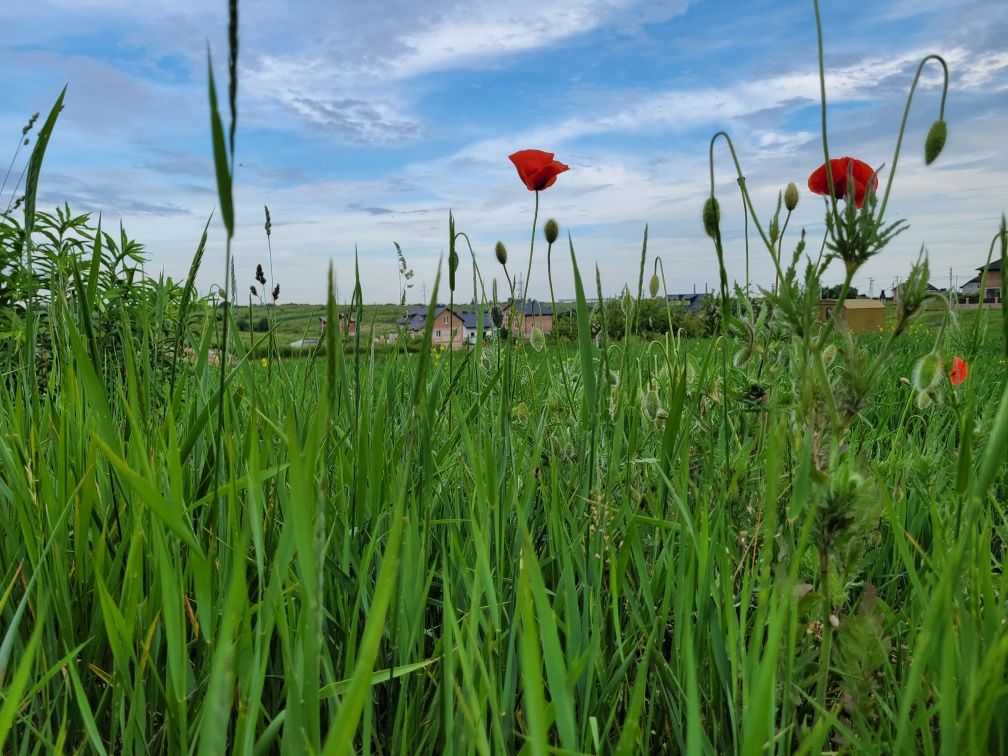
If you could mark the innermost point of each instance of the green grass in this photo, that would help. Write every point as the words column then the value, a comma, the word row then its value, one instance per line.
column 779, row 539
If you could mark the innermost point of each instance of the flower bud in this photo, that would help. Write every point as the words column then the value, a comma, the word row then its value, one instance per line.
column 935, row 141
column 791, row 197
column 711, row 217
column 551, row 231
column 927, row 372
column 501, row 252
column 653, row 286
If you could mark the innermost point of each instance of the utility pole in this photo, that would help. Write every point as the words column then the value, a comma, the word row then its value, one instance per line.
column 871, row 286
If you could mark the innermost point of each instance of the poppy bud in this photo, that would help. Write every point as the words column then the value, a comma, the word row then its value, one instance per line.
column 497, row 316
column 653, row 285
column 551, row 231
column 626, row 300
column 711, row 217
column 927, row 372
column 935, row 141
column 791, row 197
column 501, row 252
column 453, row 263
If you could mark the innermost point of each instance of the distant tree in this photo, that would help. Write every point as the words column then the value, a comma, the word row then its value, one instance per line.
column 833, row 292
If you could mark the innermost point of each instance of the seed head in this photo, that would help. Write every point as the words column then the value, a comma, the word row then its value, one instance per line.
column 711, row 217
column 501, row 252
column 791, row 197
column 551, row 231
column 252, row 290
column 269, row 224
column 935, row 141
column 537, row 339
column 260, row 276
column 276, row 292
column 497, row 316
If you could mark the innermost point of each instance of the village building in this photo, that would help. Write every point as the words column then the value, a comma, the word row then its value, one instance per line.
column 535, row 315
column 993, row 287
column 860, row 315
column 691, row 302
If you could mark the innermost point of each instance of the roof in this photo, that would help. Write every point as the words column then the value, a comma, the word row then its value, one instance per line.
column 693, row 300
column 535, row 307
column 469, row 319
column 995, row 265
column 863, row 304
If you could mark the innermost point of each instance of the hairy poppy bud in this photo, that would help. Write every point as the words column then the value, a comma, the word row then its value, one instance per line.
column 935, row 141
column 711, row 217
column 791, row 197
column 501, row 252
column 653, row 285
column 626, row 300
column 927, row 372
column 551, row 231
column 497, row 316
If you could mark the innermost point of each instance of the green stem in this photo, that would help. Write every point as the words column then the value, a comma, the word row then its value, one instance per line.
column 903, row 122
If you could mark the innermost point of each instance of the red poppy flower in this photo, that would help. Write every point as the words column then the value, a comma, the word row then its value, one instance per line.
column 862, row 173
column 537, row 169
column 959, row 372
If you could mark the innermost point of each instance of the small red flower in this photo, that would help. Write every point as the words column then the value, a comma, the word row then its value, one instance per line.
column 862, row 172
column 959, row 372
column 537, row 169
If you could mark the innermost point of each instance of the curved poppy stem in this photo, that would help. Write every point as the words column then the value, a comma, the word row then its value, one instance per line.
column 745, row 194
column 906, row 115
column 476, row 270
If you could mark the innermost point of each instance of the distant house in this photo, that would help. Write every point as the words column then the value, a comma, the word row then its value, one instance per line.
column 304, row 343
column 536, row 315
column 347, row 323
column 692, row 302
column 897, row 293
column 451, row 328
column 993, row 283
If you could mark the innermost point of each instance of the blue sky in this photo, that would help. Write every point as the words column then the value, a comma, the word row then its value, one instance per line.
column 362, row 123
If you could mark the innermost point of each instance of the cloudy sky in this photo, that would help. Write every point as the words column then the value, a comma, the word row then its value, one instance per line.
column 362, row 123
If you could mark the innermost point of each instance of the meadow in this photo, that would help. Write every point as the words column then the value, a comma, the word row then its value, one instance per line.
column 781, row 537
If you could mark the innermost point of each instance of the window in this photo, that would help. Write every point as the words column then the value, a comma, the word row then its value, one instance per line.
column 438, row 333
column 445, row 320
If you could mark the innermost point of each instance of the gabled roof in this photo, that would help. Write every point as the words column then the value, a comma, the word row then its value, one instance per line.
column 995, row 265
column 469, row 319
column 693, row 300
column 534, row 307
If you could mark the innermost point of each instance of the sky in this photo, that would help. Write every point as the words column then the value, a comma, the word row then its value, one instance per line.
column 361, row 124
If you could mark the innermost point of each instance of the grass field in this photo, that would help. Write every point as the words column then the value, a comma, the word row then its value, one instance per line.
column 782, row 538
